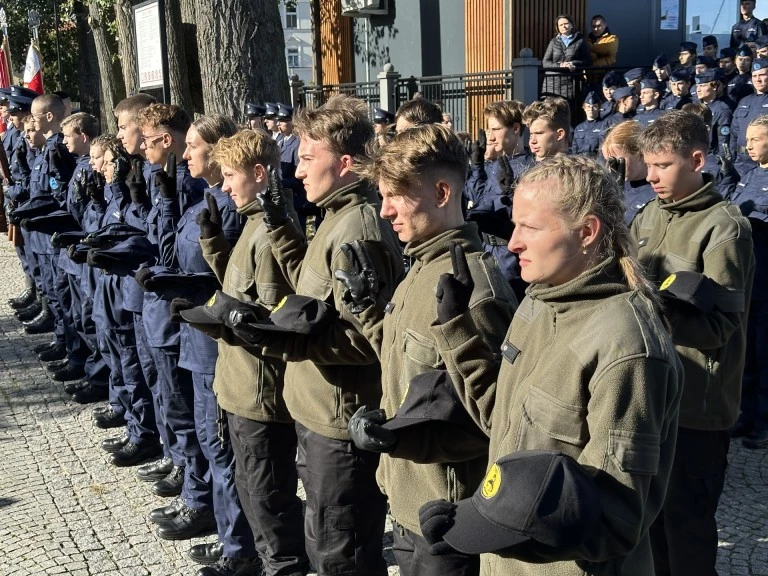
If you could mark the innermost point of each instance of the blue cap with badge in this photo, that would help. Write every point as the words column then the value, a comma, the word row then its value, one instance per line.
column 381, row 116
column 271, row 112
column 592, row 98
column 660, row 61
column 709, row 41
column 623, row 92
column 613, row 79
column 706, row 76
column 634, row 74
column 759, row 64
column 650, row 84
column 680, row 75
column 284, row 113
column 688, row 47
column 254, row 110
column 744, row 51
column 728, row 53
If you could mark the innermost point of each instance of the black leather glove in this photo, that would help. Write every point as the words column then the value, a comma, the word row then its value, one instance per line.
column 454, row 290
column 166, row 179
column 178, row 305
column 241, row 322
column 27, row 224
column 145, row 279
column 122, row 168
column 725, row 160
column 273, row 201
column 361, row 285
column 12, row 218
column 209, row 219
column 618, row 167
column 436, row 518
column 95, row 188
column 96, row 259
column 65, row 240
column 366, row 431
column 506, row 180
column 21, row 159
column 81, row 183
column 77, row 256
column 60, row 161
column 477, row 151
column 137, row 185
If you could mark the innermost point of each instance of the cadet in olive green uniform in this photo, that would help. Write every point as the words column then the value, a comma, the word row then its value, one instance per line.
column 248, row 386
column 587, row 369
column 420, row 175
column 330, row 376
column 689, row 227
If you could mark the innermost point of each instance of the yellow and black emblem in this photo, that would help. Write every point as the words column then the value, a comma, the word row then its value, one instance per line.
column 492, row 482
column 668, row 282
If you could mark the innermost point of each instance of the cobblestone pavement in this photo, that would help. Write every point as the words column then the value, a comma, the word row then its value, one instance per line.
column 65, row 510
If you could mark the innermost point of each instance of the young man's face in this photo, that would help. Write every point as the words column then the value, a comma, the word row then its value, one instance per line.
column 747, row 7
column 318, row 169
column 415, row 215
column 243, row 184
column 679, row 87
column 4, row 112
column 661, row 73
column 502, row 138
column 727, row 65
column 544, row 140
column 271, row 124
column 706, row 91
column 757, row 144
column 76, row 143
column 608, row 92
column 744, row 64
column 598, row 27
column 672, row 176
column 591, row 110
column 129, row 133
column 42, row 117
column 35, row 138
column 760, row 80
column 286, row 127
column 17, row 119
column 97, row 158
column 649, row 97
column 686, row 58
column 155, row 143
column 255, row 123
column 710, row 50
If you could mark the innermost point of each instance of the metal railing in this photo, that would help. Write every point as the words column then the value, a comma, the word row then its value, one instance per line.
column 314, row 96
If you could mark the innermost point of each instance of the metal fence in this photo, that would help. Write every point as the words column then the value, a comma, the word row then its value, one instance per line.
column 314, row 96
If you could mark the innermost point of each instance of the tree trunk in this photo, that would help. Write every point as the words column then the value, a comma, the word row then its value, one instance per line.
column 105, row 67
column 126, row 35
column 88, row 64
column 189, row 34
column 177, row 62
column 317, row 45
column 242, row 50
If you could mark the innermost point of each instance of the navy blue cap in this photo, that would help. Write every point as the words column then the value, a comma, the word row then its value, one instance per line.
column 613, row 78
column 124, row 258
column 19, row 104
column 709, row 40
column 728, row 52
column 706, row 76
column 680, row 75
column 252, row 109
column 744, row 50
column 634, row 74
column 271, row 112
column 708, row 61
column 660, row 61
column 719, row 74
column 14, row 91
column 284, row 112
column 592, row 98
column 761, row 42
column 688, row 47
column 759, row 64
column 623, row 92
column 652, row 84
column 381, row 116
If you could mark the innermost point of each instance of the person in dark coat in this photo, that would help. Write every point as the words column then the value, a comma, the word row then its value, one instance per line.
column 567, row 51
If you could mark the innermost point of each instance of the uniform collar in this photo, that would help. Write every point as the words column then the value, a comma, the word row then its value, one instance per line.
column 251, row 209
column 703, row 198
column 466, row 235
column 353, row 194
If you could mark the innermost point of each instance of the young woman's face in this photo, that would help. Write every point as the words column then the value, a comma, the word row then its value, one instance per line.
column 564, row 26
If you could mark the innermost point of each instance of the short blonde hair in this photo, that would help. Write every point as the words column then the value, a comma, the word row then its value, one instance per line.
column 245, row 149
column 413, row 153
column 625, row 135
column 342, row 122
column 552, row 109
column 82, row 123
column 168, row 116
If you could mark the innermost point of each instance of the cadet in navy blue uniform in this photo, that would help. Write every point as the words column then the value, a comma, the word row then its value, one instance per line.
column 586, row 135
column 650, row 94
column 741, row 84
column 626, row 106
column 490, row 186
column 727, row 63
column 709, row 46
column 611, row 81
column 255, row 115
column 633, row 78
column 270, row 122
column 621, row 143
column 679, row 91
column 687, row 57
column 752, row 198
column 707, row 86
column 662, row 69
column 748, row 28
column 749, row 108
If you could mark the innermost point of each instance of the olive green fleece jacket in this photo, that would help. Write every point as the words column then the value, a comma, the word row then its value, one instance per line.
column 706, row 234
column 445, row 463
column 589, row 370
column 331, row 374
column 246, row 383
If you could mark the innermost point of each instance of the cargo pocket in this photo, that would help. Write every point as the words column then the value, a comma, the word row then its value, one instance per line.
column 240, row 282
column 338, row 554
column 548, row 423
column 635, row 453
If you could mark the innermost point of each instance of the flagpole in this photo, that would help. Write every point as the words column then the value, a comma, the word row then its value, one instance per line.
column 58, row 48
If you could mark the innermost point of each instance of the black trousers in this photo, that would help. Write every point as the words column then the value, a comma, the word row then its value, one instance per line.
column 344, row 519
column 266, row 482
column 412, row 554
column 684, row 536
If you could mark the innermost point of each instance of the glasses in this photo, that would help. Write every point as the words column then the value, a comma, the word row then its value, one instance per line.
column 151, row 139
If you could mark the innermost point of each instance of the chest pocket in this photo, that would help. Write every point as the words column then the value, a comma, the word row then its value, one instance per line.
column 419, row 355
column 240, row 281
column 315, row 284
column 547, row 423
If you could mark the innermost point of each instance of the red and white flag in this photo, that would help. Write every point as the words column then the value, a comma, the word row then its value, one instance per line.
column 33, row 71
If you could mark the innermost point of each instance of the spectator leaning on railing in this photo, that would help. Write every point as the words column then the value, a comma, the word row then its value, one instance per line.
column 567, row 51
column 603, row 44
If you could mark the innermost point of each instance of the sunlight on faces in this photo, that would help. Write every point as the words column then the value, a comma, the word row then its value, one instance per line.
column 244, row 184
column 75, row 143
column 501, row 138
column 41, row 117
column 649, row 97
column 197, row 154
column 155, row 143
column 706, row 91
column 320, row 170
column 592, row 111
column 549, row 251
column 544, row 141
column 744, row 64
column 757, row 144
column 672, row 176
column 129, row 133
column 419, row 213
column 564, row 26
column 34, row 136
column 679, row 87
column 97, row 158
column 108, row 165
column 760, row 80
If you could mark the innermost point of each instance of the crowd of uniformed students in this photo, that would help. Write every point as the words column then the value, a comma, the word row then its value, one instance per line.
column 460, row 301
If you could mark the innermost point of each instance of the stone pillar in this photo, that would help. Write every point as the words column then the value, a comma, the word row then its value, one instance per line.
column 526, row 79
column 387, row 87
column 297, row 91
